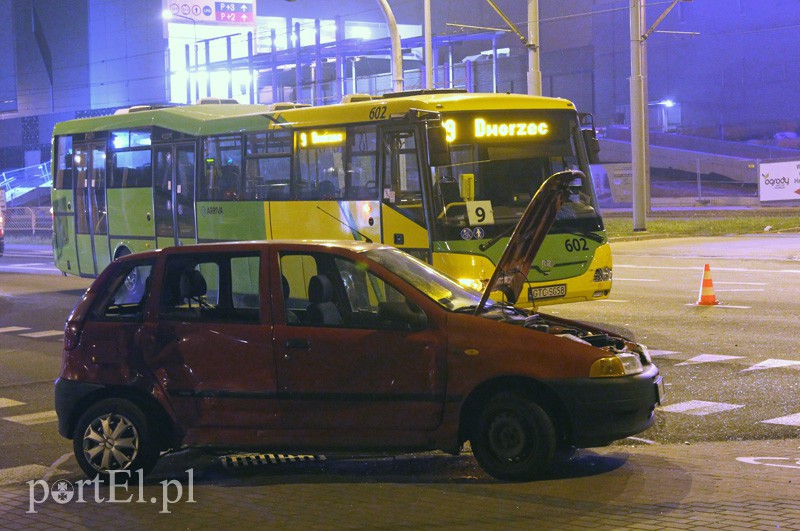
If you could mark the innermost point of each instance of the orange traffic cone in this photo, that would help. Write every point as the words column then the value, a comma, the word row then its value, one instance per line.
column 707, row 297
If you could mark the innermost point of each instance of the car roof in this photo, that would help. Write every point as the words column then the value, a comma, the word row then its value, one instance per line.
column 258, row 245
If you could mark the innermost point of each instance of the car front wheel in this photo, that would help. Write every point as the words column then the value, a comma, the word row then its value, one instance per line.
column 514, row 438
column 114, row 435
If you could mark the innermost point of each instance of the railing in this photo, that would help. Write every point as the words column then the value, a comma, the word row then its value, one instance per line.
column 19, row 182
column 28, row 221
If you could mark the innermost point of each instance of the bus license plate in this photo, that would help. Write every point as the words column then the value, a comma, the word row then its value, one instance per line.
column 547, row 292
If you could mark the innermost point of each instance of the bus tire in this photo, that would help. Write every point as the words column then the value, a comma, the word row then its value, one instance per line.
column 513, row 439
column 114, row 434
column 134, row 283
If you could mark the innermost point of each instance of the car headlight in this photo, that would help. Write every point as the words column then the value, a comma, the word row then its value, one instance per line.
column 620, row 364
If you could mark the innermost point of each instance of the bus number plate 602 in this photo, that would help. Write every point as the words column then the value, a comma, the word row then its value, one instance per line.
column 547, row 292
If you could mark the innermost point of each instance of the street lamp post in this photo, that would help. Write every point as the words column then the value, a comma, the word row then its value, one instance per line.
column 639, row 133
column 397, row 52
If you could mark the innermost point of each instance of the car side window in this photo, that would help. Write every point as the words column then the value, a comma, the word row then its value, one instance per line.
column 219, row 288
column 127, row 294
column 324, row 290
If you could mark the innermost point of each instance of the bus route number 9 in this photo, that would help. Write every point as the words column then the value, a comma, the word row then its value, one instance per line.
column 480, row 213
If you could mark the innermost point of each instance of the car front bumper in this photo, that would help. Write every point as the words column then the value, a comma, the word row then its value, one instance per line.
column 602, row 410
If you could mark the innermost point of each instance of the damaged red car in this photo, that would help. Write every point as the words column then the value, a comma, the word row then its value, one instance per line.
column 339, row 346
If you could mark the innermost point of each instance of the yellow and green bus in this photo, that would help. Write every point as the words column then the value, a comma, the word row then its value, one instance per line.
column 444, row 175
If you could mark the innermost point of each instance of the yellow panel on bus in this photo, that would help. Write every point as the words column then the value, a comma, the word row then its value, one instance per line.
column 324, row 220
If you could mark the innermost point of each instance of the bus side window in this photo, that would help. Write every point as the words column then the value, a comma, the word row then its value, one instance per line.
column 362, row 165
column 222, row 178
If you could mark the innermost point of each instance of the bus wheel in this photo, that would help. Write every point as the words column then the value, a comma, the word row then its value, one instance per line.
column 514, row 438
column 134, row 283
column 114, row 435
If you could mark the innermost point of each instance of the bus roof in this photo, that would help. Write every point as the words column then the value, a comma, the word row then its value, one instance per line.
column 208, row 119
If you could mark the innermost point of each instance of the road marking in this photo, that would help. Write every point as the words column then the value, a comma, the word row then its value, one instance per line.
column 738, row 290
column 639, row 439
column 20, row 266
column 742, row 283
column 654, row 352
column 771, row 364
column 53, row 468
column 720, row 305
column 700, row 407
column 22, row 474
column 708, row 358
column 757, row 461
column 788, row 420
column 46, row 333
column 732, row 269
column 611, row 300
column 13, row 329
column 7, row 402
column 34, row 418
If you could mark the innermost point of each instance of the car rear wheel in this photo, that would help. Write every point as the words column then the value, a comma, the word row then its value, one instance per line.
column 514, row 438
column 114, row 435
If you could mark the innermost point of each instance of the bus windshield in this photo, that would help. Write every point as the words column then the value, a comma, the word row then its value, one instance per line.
column 500, row 161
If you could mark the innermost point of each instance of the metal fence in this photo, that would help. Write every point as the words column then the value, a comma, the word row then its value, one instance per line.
column 29, row 221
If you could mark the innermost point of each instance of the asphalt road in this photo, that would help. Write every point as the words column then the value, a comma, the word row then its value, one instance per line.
column 731, row 369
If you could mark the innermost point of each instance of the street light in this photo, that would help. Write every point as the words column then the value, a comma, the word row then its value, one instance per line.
column 640, row 164
column 169, row 15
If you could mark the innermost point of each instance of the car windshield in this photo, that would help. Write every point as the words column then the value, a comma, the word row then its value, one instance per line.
column 447, row 292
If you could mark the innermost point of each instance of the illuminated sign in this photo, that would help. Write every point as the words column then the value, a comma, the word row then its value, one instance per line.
column 320, row 138
column 210, row 12
column 505, row 126
column 484, row 129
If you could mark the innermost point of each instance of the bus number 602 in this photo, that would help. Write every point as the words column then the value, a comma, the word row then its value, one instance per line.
column 576, row 244
column 377, row 113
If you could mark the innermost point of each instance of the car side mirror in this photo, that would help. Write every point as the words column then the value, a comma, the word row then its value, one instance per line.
column 401, row 315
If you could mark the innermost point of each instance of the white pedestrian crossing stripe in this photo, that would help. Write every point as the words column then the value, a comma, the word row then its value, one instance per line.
column 708, row 358
column 771, row 364
column 788, row 420
column 655, row 352
column 25, row 473
column 34, row 418
column 46, row 333
column 13, row 329
column 7, row 402
column 699, row 407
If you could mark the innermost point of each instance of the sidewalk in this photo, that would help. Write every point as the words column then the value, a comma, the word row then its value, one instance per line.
column 721, row 485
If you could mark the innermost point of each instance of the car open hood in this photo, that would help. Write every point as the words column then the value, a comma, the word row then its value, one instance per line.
column 511, row 272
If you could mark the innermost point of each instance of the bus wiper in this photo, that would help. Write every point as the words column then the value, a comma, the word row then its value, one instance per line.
column 497, row 238
column 591, row 235
column 366, row 238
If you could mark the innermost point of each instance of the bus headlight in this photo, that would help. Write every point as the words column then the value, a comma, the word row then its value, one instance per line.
column 620, row 364
column 602, row 274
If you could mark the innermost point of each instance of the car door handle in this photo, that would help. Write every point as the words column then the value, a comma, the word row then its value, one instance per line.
column 304, row 344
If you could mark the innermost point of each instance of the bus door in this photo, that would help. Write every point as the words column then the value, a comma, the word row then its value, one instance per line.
column 173, row 194
column 91, row 220
column 404, row 211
